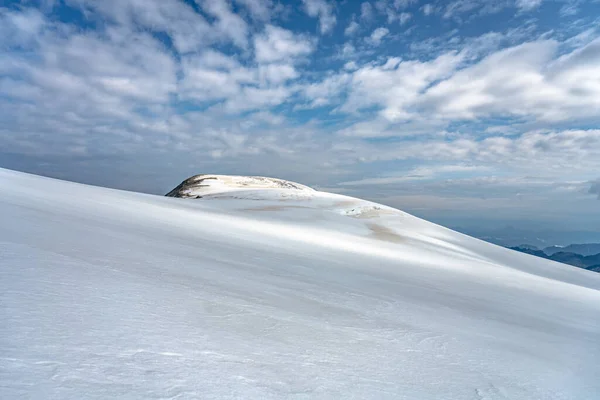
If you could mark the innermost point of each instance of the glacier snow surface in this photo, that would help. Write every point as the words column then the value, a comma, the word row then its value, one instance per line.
column 276, row 294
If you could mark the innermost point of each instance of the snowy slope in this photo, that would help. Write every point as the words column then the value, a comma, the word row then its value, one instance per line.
column 267, row 295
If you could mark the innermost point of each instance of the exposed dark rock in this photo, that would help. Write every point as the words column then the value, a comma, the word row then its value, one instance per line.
column 192, row 187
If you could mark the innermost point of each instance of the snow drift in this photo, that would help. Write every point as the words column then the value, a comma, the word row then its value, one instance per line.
column 275, row 292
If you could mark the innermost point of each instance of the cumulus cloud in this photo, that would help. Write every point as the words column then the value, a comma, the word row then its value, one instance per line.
column 396, row 85
column 276, row 73
column 350, row 66
column 188, row 30
column 526, row 81
column 123, row 85
column 229, row 24
column 404, row 17
column 352, row 28
column 428, row 9
column 21, row 28
column 530, row 82
column 276, row 44
column 116, row 64
column 377, row 35
column 366, row 11
column 213, row 76
column 327, row 91
column 259, row 9
column 324, row 11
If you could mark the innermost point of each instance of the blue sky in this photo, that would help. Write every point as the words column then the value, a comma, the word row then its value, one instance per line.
column 466, row 112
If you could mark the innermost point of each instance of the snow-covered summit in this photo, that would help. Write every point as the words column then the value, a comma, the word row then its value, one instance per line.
column 276, row 194
column 269, row 294
column 201, row 185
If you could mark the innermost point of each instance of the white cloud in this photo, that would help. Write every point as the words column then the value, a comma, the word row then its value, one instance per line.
column 122, row 89
column 417, row 174
column 229, row 24
column 21, row 28
column 382, row 127
column 118, row 84
column 253, row 98
column 277, row 44
column 428, row 9
column 528, row 82
column 405, row 17
column 525, row 81
column 554, row 153
column 126, row 64
column 569, row 9
column 84, row 85
column 215, row 59
column 402, row 4
column 328, row 91
column 350, row 66
column 528, row 5
column 324, row 11
column 366, row 11
column 458, row 9
column 276, row 73
column 213, row 76
column 377, row 35
column 259, row 9
column 352, row 28
column 397, row 89
column 348, row 51
column 391, row 63
column 188, row 30
column 381, row 6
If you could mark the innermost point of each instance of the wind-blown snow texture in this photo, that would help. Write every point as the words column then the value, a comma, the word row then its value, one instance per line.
column 273, row 294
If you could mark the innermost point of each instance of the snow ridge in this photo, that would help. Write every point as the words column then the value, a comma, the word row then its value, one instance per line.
column 263, row 292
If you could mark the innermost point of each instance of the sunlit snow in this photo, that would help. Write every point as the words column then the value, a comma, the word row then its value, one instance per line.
column 271, row 293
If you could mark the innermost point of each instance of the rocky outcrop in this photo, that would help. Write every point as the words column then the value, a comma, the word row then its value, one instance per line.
column 198, row 186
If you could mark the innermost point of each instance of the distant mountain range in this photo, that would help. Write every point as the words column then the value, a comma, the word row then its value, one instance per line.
column 540, row 238
column 578, row 255
column 586, row 249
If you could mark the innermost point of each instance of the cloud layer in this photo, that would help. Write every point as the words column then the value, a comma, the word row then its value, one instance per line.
column 346, row 97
